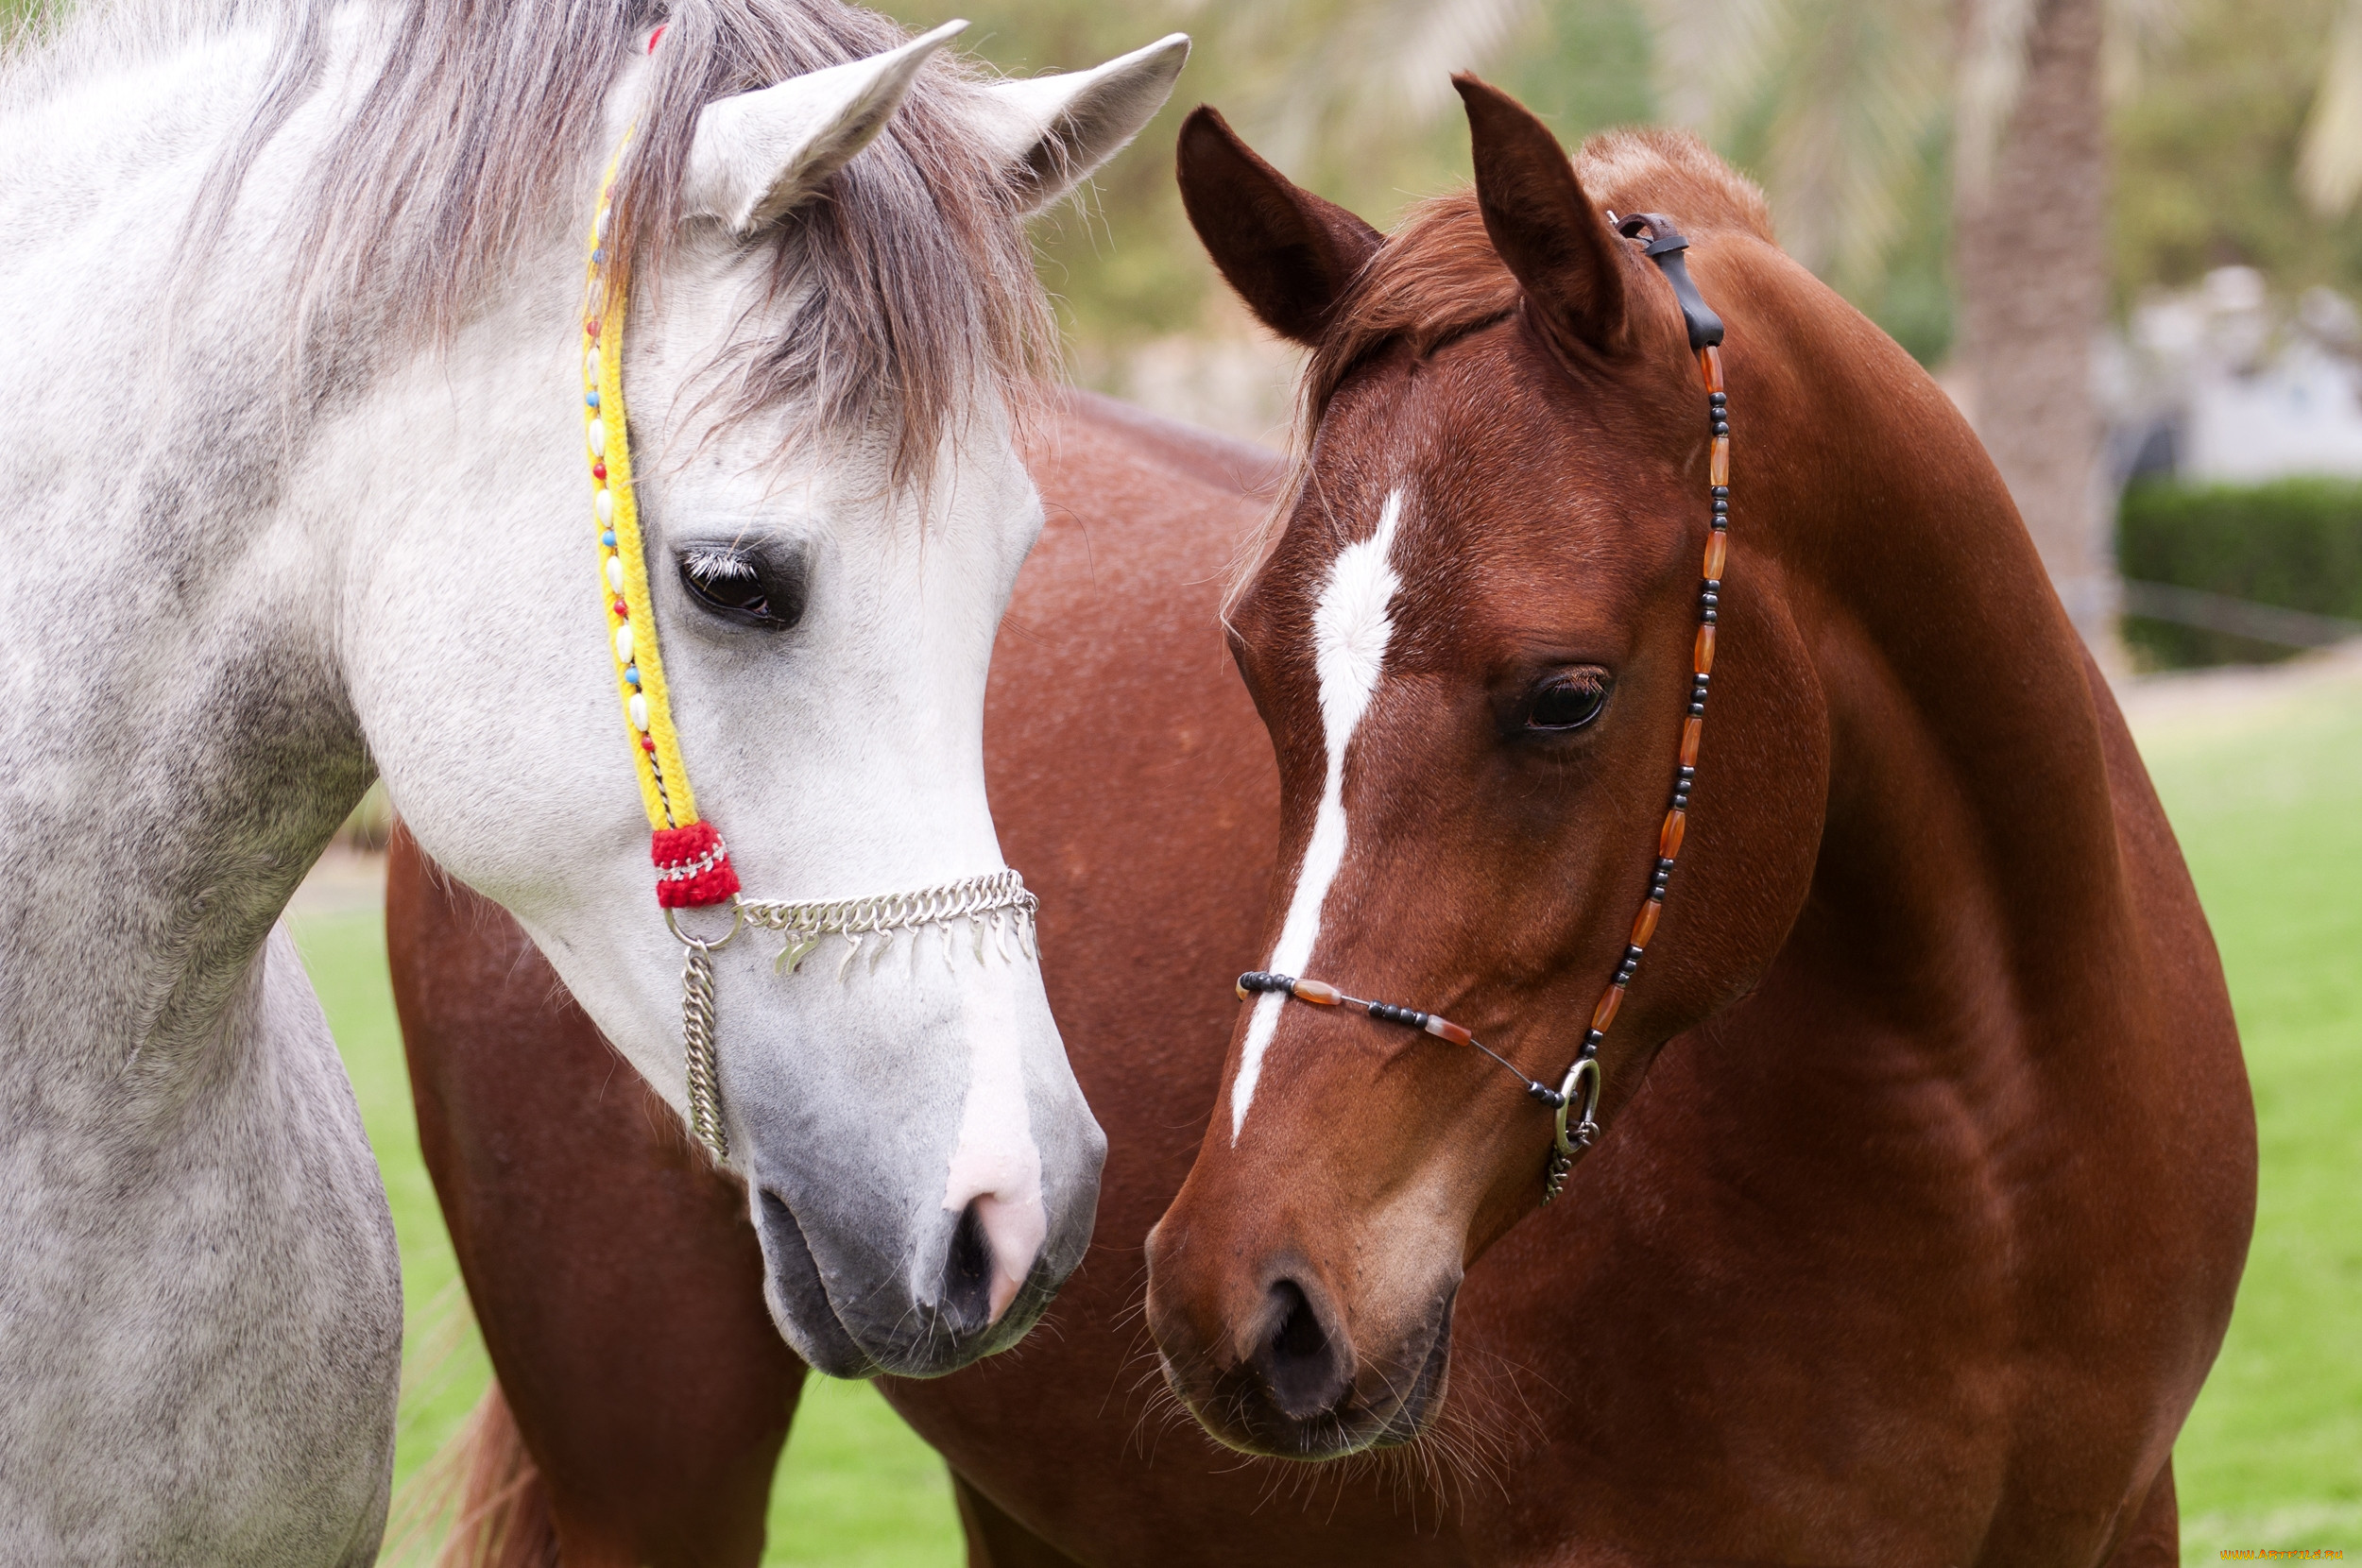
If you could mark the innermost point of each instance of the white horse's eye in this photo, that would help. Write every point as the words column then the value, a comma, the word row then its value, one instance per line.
column 753, row 586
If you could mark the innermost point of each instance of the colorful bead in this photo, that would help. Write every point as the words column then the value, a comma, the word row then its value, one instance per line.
column 622, row 611
column 606, row 538
column 647, row 745
column 591, row 397
column 631, row 673
column 598, row 471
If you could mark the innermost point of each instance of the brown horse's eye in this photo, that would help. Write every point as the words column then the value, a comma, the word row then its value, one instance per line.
column 1567, row 701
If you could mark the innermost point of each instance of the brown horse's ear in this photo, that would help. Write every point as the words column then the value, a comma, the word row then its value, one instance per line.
column 1556, row 244
column 1289, row 253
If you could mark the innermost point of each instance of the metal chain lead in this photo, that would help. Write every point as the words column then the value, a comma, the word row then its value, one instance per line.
column 697, row 1032
column 999, row 898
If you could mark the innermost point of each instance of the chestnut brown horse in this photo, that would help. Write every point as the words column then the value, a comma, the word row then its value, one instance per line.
column 1928, row 1164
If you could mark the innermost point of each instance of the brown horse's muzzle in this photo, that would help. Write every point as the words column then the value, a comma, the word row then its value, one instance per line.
column 1276, row 1355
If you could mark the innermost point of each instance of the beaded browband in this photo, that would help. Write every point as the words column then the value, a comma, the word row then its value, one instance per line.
column 1580, row 1086
column 693, row 866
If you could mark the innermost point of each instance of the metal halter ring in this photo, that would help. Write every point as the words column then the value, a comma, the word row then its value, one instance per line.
column 1586, row 1072
column 738, row 923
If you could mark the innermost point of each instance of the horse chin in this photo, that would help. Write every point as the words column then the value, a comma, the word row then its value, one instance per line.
column 798, row 1300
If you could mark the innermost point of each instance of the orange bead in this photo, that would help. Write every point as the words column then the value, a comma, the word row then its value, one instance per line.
column 1717, row 551
column 1604, row 1014
column 1668, row 838
column 1710, row 363
column 1702, row 655
column 1644, row 924
column 1693, row 728
column 1444, row 1029
column 1719, row 463
column 1317, row 991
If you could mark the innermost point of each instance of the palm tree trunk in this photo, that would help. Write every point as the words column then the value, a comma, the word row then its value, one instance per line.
column 2030, row 255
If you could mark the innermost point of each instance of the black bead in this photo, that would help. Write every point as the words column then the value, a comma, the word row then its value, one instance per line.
column 1721, row 427
column 1590, row 1046
column 1697, row 710
column 1546, row 1095
column 1721, row 505
column 1714, row 584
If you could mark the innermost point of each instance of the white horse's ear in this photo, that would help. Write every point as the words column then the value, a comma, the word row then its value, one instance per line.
column 760, row 155
column 1053, row 131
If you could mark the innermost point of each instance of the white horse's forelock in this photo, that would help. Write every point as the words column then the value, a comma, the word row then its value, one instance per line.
column 1350, row 629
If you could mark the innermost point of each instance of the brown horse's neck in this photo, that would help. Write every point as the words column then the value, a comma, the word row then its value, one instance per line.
column 1968, row 894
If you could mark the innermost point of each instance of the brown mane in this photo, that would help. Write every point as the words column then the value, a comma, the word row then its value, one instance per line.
column 1438, row 277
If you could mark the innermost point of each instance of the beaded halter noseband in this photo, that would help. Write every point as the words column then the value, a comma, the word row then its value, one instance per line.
column 1582, row 1082
column 693, row 866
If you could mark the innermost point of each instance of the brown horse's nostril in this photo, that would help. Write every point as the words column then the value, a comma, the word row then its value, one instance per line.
column 1300, row 1360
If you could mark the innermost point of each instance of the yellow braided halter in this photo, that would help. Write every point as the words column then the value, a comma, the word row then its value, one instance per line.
column 693, row 866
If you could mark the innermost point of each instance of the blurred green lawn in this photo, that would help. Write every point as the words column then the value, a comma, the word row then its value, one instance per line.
column 2266, row 796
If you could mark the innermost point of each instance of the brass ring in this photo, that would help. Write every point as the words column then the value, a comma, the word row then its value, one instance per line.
column 738, row 920
column 1584, row 1067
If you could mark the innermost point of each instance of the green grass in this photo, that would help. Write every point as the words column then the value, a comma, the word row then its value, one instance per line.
column 2267, row 800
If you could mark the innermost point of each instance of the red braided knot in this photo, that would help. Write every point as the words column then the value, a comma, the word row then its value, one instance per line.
column 693, row 867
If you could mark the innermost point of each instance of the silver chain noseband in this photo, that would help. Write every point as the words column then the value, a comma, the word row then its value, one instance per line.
column 995, row 905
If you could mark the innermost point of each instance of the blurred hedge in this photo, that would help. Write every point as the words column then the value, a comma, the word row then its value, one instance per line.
column 2296, row 543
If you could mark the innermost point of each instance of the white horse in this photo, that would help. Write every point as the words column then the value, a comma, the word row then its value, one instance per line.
column 292, row 425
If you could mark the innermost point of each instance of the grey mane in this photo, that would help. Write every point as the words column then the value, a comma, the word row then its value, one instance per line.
column 910, row 287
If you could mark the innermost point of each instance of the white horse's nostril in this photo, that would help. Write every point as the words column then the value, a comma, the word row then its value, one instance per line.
column 1001, row 1186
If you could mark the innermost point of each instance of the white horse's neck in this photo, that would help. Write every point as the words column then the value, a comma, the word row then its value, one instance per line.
column 186, row 524
column 182, row 1170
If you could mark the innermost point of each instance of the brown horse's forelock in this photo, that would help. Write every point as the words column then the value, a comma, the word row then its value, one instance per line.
column 1437, row 278
column 908, row 286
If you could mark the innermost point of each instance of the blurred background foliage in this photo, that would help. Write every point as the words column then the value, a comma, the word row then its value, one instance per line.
column 1849, row 112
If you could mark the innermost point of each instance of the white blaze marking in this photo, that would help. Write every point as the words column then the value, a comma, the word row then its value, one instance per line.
column 1349, row 633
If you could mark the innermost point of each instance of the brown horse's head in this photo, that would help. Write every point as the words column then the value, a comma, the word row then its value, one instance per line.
column 1472, row 645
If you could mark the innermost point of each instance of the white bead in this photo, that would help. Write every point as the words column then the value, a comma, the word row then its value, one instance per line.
column 615, row 572
column 638, row 708
column 606, row 215
column 596, row 432
column 623, row 642
column 591, row 367
column 604, row 503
